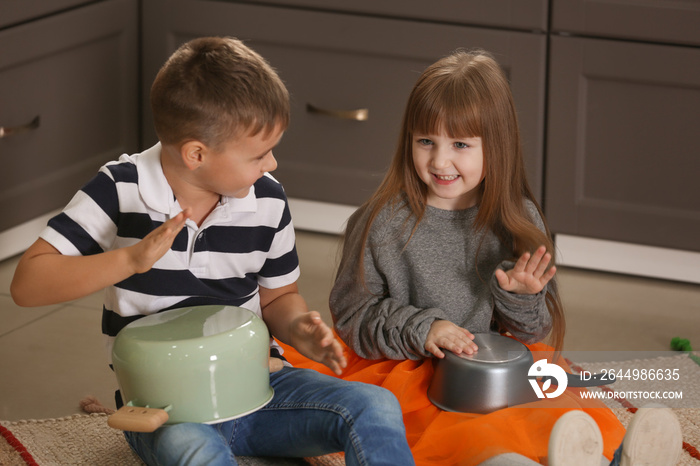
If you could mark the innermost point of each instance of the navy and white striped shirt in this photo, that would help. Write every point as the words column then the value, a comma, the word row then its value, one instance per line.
column 243, row 242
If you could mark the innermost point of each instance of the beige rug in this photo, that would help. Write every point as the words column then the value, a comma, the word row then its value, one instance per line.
column 630, row 390
column 88, row 440
column 79, row 439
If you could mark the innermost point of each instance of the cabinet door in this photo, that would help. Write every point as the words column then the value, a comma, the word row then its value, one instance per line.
column 528, row 15
column 622, row 152
column 77, row 72
column 346, row 62
column 16, row 11
column 651, row 20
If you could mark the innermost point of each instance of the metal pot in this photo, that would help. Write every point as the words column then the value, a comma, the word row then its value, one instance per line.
column 198, row 364
column 495, row 377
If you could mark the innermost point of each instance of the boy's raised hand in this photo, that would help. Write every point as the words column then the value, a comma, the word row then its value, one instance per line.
column 315, row 340
column 530, row 274
column 45, row 276
column 144, row 254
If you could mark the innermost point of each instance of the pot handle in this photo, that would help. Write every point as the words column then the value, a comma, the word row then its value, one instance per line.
column 594, row 380
column 138, row 419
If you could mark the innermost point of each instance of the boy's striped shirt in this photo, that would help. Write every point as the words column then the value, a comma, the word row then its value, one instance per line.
column 242, row 243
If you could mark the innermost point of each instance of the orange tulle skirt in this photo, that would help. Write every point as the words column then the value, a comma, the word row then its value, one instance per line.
column 443, row 438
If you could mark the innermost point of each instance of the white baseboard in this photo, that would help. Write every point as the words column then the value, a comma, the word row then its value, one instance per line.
column 322, row 217
column 573, row 251
column 16, row 240
column 318, row 216
column 630, row 259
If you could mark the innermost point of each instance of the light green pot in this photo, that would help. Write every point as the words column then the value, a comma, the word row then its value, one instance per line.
column 202, row 364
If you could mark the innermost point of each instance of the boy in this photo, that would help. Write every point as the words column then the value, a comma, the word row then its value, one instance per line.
column 196, row 220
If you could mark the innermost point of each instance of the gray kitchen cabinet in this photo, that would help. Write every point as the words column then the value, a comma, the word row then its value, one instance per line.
column 16, row 11
column 617, row 82
column 526, row 15
column 68, row 102
column 622, row 157
column 663, row 21
column 338, row 61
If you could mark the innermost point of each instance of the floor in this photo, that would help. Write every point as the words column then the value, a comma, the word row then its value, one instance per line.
column 53, row 356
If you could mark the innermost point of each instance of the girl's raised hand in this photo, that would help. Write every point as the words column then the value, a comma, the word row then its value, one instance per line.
column 445, row 334
column 530, row 274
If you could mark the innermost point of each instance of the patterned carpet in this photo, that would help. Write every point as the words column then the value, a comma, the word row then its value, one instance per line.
column 87, row 440
column 680, row 379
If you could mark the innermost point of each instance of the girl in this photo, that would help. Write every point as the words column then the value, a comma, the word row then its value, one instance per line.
column 418, row 265
column 454, row 243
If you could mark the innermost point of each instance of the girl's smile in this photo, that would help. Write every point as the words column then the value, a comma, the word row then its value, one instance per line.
column 451, row 168
column 445, row 179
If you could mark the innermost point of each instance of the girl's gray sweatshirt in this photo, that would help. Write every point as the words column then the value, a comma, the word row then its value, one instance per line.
column 437, row 275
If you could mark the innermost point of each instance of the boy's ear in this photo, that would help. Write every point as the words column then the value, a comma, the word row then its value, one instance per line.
column 193, row 153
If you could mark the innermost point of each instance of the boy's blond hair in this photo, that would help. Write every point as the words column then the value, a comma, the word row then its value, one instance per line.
column 215, row 88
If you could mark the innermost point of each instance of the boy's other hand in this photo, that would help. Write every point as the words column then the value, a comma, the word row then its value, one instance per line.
column 315, row 340
column 445, row 334
column 144, row 254
column 275, row 364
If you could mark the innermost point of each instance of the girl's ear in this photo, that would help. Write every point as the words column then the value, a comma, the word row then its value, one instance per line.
column 193, row 153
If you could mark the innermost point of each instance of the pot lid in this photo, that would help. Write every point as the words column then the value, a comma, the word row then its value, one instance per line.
column 495, row 348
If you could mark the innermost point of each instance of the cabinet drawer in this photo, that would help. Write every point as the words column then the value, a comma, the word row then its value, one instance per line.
column 17, row 11
column 514, row 14
column 651, row 20
column 345, row 62
column 78, row 73
column 622, row 157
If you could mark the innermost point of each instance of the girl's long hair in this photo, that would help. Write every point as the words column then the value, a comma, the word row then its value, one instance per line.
column 467, row 94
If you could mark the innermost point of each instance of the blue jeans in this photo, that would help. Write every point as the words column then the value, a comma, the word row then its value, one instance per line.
column 311, row 414
column 617, row 457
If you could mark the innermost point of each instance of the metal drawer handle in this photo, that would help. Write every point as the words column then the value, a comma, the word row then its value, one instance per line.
column 7, row 132
column 360, row 114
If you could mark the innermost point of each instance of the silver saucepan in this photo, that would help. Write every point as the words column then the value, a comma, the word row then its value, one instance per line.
column 494, row 377
column 497, row 376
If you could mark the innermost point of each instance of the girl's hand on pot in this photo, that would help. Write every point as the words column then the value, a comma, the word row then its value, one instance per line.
column 530, row 274
column 445, row 334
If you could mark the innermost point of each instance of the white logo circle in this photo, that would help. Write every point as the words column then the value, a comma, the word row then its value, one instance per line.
column 542, row 368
